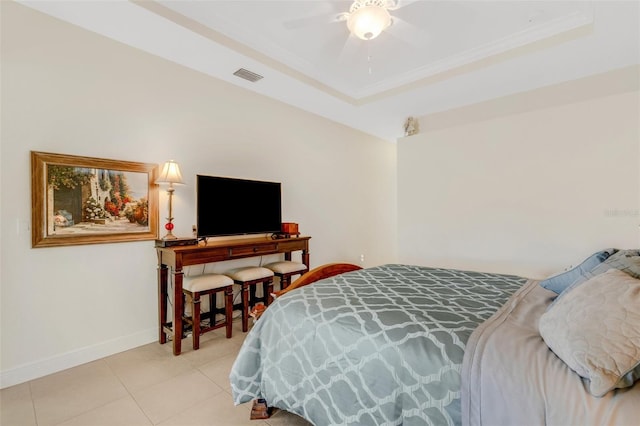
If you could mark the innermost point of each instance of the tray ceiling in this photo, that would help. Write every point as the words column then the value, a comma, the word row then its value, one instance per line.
column 436, row 55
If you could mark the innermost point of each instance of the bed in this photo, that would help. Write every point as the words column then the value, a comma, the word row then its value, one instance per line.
column 411, row 345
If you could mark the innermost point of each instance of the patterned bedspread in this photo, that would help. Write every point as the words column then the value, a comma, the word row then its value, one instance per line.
column 378, row 346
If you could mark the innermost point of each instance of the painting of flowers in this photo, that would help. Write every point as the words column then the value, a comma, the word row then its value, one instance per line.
column 82, row 200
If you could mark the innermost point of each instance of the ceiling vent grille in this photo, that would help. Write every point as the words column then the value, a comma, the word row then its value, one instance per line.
column 248, row 75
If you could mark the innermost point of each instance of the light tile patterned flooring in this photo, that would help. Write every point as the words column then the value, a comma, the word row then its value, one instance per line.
column 142, row 386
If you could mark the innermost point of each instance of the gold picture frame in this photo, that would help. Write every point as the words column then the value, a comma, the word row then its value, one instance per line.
column 84, row 200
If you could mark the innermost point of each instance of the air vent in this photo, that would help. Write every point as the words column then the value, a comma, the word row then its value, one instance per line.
column 248, row 75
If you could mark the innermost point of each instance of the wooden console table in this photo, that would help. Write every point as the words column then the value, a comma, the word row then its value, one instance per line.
column 176, row 258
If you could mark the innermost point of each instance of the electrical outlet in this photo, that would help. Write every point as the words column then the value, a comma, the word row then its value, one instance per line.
column 362, row 258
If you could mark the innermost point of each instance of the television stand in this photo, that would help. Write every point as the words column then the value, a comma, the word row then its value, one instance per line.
column 177, row 257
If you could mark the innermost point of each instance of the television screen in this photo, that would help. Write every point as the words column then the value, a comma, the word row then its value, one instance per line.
column 229, row 206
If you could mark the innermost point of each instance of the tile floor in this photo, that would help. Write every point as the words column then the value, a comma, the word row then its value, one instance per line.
column 142, row 386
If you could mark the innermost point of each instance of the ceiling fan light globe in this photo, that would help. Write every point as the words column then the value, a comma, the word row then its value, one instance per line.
column 368, row 22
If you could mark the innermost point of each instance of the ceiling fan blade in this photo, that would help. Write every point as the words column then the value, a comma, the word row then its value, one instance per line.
column 399, row 4
column 308, row 21
column 407, row 32
column 350, row 48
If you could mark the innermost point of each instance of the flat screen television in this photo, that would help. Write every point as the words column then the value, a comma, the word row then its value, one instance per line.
column 230, row 206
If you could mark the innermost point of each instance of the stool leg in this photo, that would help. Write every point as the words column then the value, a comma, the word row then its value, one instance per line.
column 267, row 289
column 228, row 309
column 195, row 315
column 245, row 307
column 212, row 308
column 163, row 296
column 284, row 281
column 252, row 295
column 183, row 304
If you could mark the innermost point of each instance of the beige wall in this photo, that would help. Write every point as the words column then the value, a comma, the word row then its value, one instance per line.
column 528, row 184
column 66, row 90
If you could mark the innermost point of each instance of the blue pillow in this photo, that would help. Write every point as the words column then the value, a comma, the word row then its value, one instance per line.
column 559, row 282
column 627, row 261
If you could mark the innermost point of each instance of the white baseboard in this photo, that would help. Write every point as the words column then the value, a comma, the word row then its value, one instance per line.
column 38, row 369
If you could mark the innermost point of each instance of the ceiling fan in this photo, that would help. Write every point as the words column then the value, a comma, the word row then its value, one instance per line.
column 366, row 19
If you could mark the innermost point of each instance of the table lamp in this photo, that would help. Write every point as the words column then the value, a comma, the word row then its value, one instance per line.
column 170, row 174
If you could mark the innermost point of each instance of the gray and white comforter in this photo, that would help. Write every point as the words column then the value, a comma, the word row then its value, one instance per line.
column 378, row 346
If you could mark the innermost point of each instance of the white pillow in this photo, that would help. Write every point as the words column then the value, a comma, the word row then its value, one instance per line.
column 595, row 329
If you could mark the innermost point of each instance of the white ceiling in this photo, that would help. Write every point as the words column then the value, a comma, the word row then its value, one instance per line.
column 437, row 55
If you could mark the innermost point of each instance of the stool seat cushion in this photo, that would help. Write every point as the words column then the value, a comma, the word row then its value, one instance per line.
column 249, row 273
column 286, row 267
column 205, row 282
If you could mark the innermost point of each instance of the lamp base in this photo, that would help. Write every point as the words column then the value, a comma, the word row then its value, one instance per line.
column 169, row 225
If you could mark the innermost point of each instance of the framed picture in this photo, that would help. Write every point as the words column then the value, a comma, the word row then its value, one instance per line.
column 84, row 200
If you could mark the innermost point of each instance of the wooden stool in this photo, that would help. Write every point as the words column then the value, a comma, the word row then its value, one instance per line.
column 248, row 277
column 285, row 270
column 210, row 284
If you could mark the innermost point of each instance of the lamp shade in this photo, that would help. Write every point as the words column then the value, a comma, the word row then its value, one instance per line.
column 367, row 22
column 170, row 173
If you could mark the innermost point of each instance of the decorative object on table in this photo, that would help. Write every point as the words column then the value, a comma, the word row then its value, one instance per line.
column 411, row 126
column 290, row 228
column 287, row 230
column 86, row 200
column 170, row 174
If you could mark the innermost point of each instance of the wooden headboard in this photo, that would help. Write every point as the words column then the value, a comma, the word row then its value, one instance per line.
column 316, row 274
